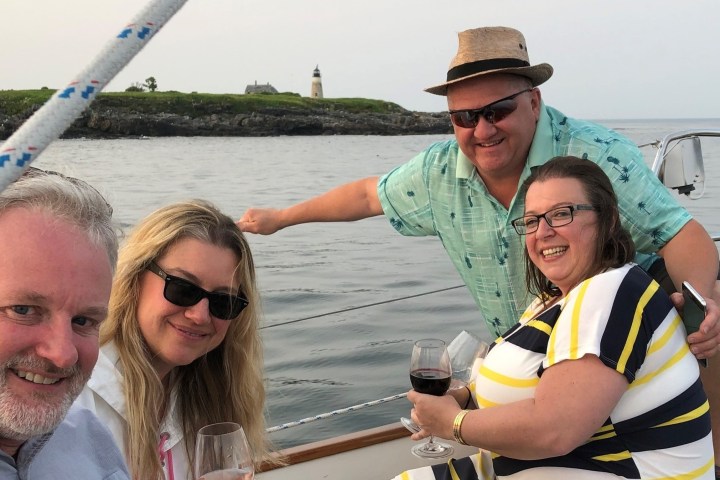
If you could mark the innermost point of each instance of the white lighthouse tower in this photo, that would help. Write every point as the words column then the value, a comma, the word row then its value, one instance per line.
column 316, row 88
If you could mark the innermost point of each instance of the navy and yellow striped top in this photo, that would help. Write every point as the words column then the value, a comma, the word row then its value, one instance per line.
column 660, row 428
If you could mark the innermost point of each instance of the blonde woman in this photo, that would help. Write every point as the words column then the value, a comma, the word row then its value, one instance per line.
column 180, row 347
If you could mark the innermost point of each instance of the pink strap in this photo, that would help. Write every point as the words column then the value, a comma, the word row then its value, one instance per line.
column 166, row 455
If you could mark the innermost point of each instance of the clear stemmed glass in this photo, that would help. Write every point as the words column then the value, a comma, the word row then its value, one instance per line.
column 466, row 352
column 430, row 373
column 222, row 453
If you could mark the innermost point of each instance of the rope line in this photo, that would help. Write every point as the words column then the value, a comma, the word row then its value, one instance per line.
column 359, row 307
column 335, row 412
column 59, row 112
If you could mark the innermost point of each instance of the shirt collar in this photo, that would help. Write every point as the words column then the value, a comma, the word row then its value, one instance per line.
column 25, row 455
column 465, row 167
column 107, row 379
column 542, row 141
column 6, row 458
column 107, row 382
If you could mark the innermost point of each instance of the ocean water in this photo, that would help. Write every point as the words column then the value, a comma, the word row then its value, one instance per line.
column 342, row 302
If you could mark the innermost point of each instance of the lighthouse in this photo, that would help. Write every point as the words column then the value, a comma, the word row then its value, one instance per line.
column 316, row 88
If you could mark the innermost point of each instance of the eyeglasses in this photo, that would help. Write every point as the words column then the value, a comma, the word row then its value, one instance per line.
column 182, row 293
column 557, row 217
column 492, row 113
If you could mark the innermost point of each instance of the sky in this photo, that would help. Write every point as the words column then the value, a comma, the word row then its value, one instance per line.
column 613, row 59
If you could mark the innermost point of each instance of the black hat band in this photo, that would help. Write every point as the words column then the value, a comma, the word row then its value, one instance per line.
column 467, row 69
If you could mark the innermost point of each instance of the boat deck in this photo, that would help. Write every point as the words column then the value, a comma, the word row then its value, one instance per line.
column 377, row 453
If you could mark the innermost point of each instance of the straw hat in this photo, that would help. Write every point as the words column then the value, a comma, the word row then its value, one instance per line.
column 491, row 50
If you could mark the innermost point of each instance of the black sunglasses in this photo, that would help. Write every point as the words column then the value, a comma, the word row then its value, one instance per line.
column 492, row 113
column 182, row 293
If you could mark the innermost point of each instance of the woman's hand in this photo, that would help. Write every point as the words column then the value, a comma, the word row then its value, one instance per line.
column 463, row 397
column 434, row 415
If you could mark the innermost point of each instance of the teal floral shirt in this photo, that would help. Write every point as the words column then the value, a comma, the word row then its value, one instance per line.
column 439, row 193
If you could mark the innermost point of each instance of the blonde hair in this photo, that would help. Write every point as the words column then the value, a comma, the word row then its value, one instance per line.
column 226, row 384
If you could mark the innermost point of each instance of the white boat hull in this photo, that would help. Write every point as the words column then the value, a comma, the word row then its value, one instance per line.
column 377, row 453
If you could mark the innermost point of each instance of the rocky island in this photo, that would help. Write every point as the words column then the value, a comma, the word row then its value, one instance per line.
column 158, row 114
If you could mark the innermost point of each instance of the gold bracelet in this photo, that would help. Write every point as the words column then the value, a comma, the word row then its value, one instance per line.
column 457, row 423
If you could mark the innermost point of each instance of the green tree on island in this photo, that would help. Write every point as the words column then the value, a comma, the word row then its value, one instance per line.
column 151, row 84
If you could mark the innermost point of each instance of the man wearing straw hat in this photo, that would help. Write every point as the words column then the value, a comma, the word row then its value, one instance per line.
column 465, row 190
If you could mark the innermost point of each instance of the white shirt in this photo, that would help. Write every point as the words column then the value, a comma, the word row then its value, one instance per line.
column 104, row 395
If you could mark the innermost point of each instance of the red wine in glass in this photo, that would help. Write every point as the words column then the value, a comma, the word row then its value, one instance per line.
column 432, row 381
column 430, row 373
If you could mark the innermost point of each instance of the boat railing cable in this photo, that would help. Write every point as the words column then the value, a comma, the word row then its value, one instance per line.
column 336, row 412
column 360, row 406
column 349, row 309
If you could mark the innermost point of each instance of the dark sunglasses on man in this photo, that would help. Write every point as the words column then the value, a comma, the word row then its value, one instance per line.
column 183, row 293
column 492, row 113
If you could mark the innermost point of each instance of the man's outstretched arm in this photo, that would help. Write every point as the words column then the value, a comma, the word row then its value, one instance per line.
column 346, row 203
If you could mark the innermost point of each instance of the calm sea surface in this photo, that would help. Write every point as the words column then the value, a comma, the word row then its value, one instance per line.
column 343, row 302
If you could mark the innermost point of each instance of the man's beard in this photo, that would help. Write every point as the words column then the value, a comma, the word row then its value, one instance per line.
column 24, row 416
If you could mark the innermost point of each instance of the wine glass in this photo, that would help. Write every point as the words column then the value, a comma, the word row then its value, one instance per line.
column 430, row 373
column 466, row 353
column 222, row 453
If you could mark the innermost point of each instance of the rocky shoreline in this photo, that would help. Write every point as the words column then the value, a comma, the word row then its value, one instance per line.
column 104, row 121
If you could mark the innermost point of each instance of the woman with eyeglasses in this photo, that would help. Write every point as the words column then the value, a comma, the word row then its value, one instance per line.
column 180, row 348
column 596, row 380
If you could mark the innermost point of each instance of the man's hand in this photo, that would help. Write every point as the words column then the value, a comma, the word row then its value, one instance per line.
column 705, row 343
column 264, row 221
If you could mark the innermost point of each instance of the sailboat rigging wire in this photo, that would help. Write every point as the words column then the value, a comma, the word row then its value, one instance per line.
column 335, row 412
column 58, row 113
column 359, row 307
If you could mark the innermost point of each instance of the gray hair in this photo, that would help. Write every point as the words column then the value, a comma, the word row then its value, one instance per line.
column 68, row 199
